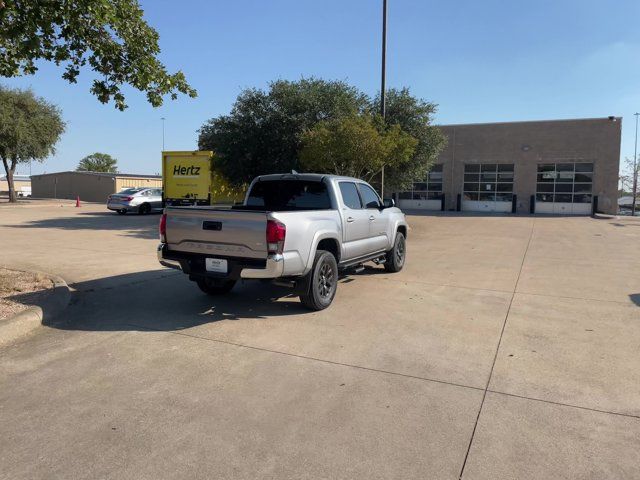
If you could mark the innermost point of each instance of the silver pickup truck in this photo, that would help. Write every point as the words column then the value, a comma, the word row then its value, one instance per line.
column 299, row 230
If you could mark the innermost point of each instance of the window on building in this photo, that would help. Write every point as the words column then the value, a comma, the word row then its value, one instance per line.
column 429, row 189
column 488, row 182
column 564, row 182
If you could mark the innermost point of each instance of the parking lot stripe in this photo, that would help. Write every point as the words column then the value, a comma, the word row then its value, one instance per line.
column 495, row 357
column 567, row 297
column 449, row 285
column 295, row 355
column 565, row 404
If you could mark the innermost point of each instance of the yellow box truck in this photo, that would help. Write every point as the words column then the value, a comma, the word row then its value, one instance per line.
column 189, row 178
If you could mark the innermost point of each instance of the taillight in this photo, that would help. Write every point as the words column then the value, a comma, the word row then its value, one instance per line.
column 276, row 233
column 128, row 199
column 162, row 228
column 109, row 198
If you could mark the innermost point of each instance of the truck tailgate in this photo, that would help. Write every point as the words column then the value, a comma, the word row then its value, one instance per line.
column 217, row 232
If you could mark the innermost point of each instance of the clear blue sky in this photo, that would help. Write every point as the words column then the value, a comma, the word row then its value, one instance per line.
column 479, row 61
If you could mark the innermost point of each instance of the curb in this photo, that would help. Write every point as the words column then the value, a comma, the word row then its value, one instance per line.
column 28, row 320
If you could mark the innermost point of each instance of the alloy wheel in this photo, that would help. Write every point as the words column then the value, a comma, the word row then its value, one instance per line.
column 400, row 250
column 326, row 280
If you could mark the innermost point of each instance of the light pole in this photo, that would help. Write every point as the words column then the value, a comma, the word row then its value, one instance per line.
column 635, row 170
column 163, row 119
column 383, row 76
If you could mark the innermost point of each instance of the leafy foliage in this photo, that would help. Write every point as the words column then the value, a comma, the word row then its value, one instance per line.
column 262, row 134
column 29, row 129
column 284, row 128
column 355, row 146
column 110, row 36
column 628, row 180
column 414, row 116
column 98, row 162
column 223, row 192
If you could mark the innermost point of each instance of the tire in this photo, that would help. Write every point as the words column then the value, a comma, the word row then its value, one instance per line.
column 215, row 286
column 323, row 282
column 397, row 255
column 144, row 209
column 122, row 211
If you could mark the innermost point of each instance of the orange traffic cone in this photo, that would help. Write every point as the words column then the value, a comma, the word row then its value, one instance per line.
column 78, row 201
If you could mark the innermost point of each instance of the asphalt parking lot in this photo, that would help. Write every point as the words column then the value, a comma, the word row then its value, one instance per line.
column 506, row 349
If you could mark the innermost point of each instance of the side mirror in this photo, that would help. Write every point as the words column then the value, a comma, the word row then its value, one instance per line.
column 388, row 203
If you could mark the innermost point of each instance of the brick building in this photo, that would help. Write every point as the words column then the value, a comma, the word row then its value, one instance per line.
column 89, row 186
column 555, row 166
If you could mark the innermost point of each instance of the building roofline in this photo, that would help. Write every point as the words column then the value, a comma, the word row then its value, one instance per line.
column 101, row 174
column 16, row 177
column 557, row 120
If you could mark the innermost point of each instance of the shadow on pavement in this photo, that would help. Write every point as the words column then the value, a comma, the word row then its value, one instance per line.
column 167, row 301
column 451, row 213
column 618, row 224
column 131, row 225
column 36, row 298
column 635, row 298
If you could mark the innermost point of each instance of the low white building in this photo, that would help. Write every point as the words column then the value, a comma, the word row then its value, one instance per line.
column 22, row 184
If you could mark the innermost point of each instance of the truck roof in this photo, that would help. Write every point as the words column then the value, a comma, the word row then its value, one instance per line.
column 310, row 177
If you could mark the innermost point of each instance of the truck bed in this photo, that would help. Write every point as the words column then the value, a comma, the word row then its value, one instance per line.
column 217, row 231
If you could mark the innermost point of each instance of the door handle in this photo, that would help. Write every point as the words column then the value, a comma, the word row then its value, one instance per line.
column 372, row 218
column 350, row 219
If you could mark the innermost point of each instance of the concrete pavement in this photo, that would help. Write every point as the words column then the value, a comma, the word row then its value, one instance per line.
column 507, row 348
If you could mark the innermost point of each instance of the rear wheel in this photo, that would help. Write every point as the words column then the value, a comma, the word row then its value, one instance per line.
column 215, row 286
column 396, row 256
column 122, row 211
column 323, row 282
column 144, row 209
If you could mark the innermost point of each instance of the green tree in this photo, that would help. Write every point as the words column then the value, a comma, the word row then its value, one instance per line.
column 110, row 36
column 29, row 129
column 414, row 116
column 262, row 134
column 98, row 162
column 356, row 146
column 628, row 182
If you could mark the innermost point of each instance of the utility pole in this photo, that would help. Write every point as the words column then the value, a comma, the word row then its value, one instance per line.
column 635, row 171
column 163, row 119
column 383, row 76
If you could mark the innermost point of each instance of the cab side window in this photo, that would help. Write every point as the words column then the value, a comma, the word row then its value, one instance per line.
column 350, row 195
column 369, row 196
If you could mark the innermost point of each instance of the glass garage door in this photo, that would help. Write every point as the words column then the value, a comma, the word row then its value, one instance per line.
column 488, row 187
column 424, row 195
column 564, row 188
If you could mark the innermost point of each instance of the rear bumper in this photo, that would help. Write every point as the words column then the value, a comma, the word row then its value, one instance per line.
column 122, row 206
column 273, row 269
column 193, row 265
column 166, row 261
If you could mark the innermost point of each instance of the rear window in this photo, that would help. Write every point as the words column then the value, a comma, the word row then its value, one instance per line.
column 286, row 195
column 129, row 191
